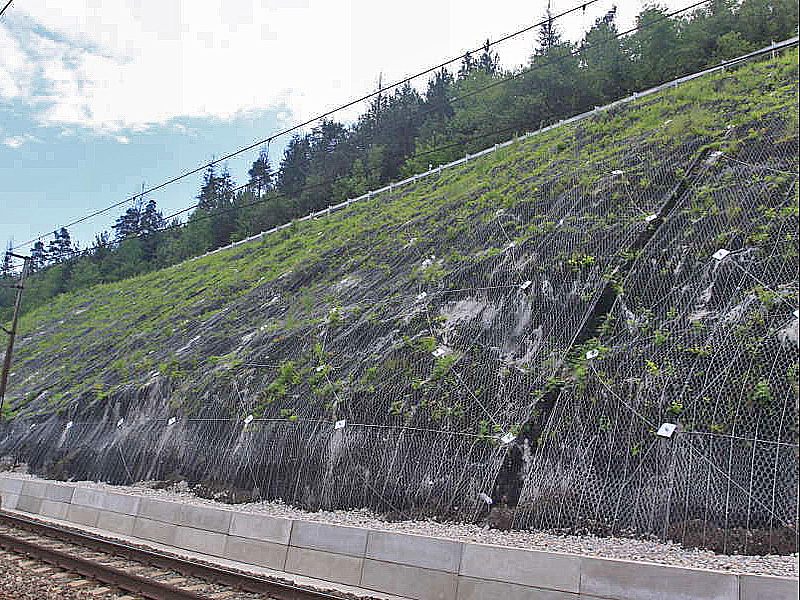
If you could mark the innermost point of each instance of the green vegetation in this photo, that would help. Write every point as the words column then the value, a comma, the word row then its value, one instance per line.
column 290, row 299
column 403, row 132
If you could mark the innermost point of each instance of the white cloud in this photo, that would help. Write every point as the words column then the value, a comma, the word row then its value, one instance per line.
column 123, row 139
column 127, row 64
column 17, row 141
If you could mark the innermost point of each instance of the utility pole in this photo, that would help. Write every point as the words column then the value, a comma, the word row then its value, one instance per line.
column 13, row 331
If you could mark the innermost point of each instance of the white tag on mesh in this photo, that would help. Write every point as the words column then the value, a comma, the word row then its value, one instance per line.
column 508, row 438
column 721, row 254
column 594, row 353
column 171, row 421
column 248, row 419
column 666, row 430
column 441, row 351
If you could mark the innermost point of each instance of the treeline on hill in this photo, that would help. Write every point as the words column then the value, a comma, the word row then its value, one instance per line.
column 405, row 132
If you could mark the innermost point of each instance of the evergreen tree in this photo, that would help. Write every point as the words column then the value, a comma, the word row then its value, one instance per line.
column 488, row 61
column 437, row 96
column 60, row 249
column 38, row 256
column 209, row 197
column 151, row 219
column 128, row 225
column 607, row 68
column 294, row 166
column 261, row 173
column 7, row 267
column 655, row 48
column 549, row 35
column 468, row 65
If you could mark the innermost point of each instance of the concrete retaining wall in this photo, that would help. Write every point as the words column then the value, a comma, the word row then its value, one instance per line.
column 412, row 566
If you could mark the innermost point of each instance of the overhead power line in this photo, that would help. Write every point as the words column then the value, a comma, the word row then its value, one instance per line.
column 3, row 10
column 277, row 196
column 447, row 146
column 349, row 104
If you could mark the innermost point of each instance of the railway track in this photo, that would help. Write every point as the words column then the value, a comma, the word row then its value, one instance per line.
column 140, row 571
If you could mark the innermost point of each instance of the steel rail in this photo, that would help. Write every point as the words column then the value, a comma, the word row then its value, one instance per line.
column 130, row 582
column 246, row 582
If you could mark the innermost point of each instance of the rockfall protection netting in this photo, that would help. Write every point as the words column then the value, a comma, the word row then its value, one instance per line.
column 704, row 337
column 403, row 370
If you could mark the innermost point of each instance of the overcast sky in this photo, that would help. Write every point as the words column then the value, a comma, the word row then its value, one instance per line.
column 98, row 97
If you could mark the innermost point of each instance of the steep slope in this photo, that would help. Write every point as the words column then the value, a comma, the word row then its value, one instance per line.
column 440, row 317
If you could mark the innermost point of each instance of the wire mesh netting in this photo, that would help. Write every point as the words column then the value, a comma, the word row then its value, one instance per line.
column 705, row 337
column 436, row 355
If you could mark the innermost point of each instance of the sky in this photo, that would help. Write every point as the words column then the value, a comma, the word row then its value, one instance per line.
column 101, row 97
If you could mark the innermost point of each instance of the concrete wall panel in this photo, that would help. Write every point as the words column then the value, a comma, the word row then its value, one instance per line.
column 409, row 582
column 124, row 504
column 115, row 522
column 84, row 515
column 205, row 518
column 89, row 497
column 480, row 589
column 54, row 510
column 11, row 485
column 34, row 489
column 160, row 510
column 261, row 527
column 8, row 500
column 546, row 570
column 324, row 565
column 414, row 550
column 624, row 580
column 759, row 587
column 155, row 531
column 59, row 492
column 199, row 540
column 330, row 538
column 256, row 552
column 29, row 504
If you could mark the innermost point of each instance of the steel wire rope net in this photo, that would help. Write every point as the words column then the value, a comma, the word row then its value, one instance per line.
column 441, row 321
column 703, row 339
column 429, row 376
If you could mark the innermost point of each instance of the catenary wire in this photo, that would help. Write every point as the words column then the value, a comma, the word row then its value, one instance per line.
column 298, row 126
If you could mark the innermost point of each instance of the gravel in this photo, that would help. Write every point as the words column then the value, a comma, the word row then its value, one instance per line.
column 666, row 553
column 25, row 579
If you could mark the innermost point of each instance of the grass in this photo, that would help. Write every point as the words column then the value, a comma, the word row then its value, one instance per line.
column 187, row 322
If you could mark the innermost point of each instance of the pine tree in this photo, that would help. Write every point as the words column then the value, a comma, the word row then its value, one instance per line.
column 39, row 256
column 549, row 35
column 7, row 267
column 208, row 199
column 128, row 225
column 488, row 61
column 468, row 65
column 438, row 94
column 151, row 219
column 295, row 166
column 261, row 173
column 60, row 248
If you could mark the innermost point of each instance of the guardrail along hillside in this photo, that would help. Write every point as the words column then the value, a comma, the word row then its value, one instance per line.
column 518, row 327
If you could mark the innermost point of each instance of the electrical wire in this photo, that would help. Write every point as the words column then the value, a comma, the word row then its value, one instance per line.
column 283, row 195
column 349, row 104
column 493, row 133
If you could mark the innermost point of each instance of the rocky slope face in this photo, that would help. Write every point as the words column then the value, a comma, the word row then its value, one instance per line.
column 516, row 328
